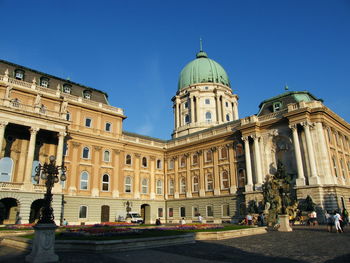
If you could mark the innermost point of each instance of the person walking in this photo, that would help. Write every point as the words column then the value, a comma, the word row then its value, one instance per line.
column 200, row 219
column 337, row 219
column 329, row 221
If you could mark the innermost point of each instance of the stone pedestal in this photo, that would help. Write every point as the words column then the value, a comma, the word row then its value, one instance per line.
column 284, row 223
column 300, row 181
column 43, row 249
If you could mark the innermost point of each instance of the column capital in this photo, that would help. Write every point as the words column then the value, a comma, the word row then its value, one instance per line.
column 255, row 137
column 199, row 152
column 152, row 157
column 97, row 148
column 137, row 155
column 306, row 123
column 62, row 134
column 228, row 145
column 245, row 138
column 293, row 126
column 213, row 149
column 186, row 154
column 116, row 151
column 34, row 130
column 3, row 124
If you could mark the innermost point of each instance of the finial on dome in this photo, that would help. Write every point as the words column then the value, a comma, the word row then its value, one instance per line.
column 201, row 53
column 286, row 87
column 200, row 45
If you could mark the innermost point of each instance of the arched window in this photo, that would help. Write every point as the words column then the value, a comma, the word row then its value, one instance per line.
column 86, row 153
column 239, row 149
column 208, row 116
column 144, row 162
column 83, row 211
column 84, row 180
column 108, row 126
column 105, row 182
column 128, row 184
column 210, row 183
column 106, row 156
column 227, row 117
column 187, row 118
column 241, row 178
column 182, row 185
column 223, row 153
column 144, row 185
column 195, row 159
column 159, row 187
column 335, row 166
column 195, row 184
column 208, row 156
column 224, row 180
column 342, row 167
column 6, row 169
column 183, row 161
column 35, row 165
column 159, row 164
column 171, row 186
column 128, row 159
column 171, row 164
column 88, row 122
column 68, row 116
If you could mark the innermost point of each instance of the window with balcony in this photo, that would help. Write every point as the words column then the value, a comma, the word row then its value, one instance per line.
column 105, row 182
column 144, row 186
column 210, row 183
column 67, row 88
column 182, row 185
column 183, row 161
column 208, row 156
column 194, row 159
column 171, row 186
column 128, row 184
column 171, row 164
column 241, row 178
column 159, row 187
column 224, row 180
column 44, row 82
column 84, row 180
column 19, row 74
column 223, row 153
column 195, row 184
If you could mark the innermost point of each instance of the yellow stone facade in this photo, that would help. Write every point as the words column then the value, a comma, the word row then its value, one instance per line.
column 213, row 170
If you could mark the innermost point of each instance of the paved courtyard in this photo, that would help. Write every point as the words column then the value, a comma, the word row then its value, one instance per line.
column 304, row 244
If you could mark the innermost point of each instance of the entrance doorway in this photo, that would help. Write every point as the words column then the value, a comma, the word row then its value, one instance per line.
column 9, row 211
column 105, row 213
column 146, row 213
column 35, row 210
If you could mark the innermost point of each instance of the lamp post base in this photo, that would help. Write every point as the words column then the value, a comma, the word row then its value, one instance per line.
column 284, row 223
column 43, row 249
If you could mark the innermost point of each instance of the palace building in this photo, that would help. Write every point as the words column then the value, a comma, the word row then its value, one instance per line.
column 214, row 164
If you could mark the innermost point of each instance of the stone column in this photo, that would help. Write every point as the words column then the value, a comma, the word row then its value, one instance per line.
column 30, row 155
column 175, row 116
column 137, row 176
column 325, row 161
column 152, row 178
column 218, row 114
column 301, row 178
column 258, row 170
column 3, row 125
column 197, row 109
column 235, row 110
column 249, row 185
column 116, row 174
column 176, row 177
column 192, row 109
column 216, row 173
column 177, row 112
column 96, row 177
column 202, row 186
column 75, row 168
column 223, row 118
column 311, row 155
column 233, row 168
column 188, row 176
column 60, row 146
column 165, row 169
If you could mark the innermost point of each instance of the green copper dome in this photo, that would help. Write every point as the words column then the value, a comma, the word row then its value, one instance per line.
column 202, row 69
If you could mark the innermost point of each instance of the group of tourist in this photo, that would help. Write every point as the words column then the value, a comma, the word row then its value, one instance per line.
column 251, row 219
column 339, row 221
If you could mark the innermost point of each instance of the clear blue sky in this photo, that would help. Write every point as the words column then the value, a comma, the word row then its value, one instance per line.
column 135, row 50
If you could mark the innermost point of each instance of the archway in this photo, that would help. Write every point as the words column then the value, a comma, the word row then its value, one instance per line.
column 35, row 210
column 146, row 213
column 9, row 211
column 105, row 213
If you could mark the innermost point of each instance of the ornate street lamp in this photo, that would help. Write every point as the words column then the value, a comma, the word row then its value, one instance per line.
column 49, row 172
column 44, row 240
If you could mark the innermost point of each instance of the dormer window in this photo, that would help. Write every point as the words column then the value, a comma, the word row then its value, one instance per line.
column 19, row 74
column 44, row 82
column 67, row 88
column 277, row 106
column 87, row 94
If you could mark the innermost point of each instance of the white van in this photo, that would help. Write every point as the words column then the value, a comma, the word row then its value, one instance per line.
column 134, row 217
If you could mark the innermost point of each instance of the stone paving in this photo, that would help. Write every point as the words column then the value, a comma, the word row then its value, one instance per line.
column 304, row 244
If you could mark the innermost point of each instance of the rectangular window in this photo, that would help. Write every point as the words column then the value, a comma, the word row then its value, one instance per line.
column 195, row 211
column 225, row 210
column 88, row 122
column 182, row 211
column 171, row 212
column 210, row 211
column 160, row 211
column 83, row 211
